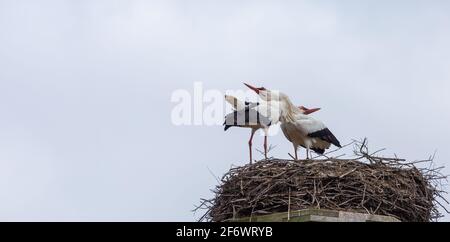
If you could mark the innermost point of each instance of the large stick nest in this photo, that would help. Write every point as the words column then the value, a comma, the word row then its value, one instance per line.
column 367, row 184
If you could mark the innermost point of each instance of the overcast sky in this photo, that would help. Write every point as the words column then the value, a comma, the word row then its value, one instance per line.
column 85, row 93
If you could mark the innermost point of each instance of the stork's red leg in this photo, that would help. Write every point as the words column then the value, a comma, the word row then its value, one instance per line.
column 250, row 141
column 295, row 151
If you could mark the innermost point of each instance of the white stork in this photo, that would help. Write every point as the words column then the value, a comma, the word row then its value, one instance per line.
column 299, row 128
column 299, row 141
column 251, row 115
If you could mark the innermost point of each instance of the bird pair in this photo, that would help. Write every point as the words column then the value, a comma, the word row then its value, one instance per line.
column 299, row 128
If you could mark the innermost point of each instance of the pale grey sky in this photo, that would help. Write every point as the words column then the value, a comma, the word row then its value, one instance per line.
column 85, row 87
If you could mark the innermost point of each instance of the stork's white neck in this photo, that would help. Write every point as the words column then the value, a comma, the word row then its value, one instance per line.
column 288, row 110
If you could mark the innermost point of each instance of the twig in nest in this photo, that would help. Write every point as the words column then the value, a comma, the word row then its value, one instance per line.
column 291, row 156
column 269, row 149
column 212, row 174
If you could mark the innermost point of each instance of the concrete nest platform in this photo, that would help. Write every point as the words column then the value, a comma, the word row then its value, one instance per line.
column 317, row 215
column 365, row 185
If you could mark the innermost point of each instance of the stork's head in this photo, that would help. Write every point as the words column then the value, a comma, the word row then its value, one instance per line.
column 308, row 110
column 265, row 94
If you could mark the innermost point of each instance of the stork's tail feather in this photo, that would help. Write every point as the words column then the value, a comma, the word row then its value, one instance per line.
column 227, row 127
column 318, row 150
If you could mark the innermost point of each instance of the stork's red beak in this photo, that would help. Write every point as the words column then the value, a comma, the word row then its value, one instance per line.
column 252, row 87
column 308, row 110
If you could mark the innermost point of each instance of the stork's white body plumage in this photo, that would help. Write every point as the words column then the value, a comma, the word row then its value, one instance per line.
column 297, row 133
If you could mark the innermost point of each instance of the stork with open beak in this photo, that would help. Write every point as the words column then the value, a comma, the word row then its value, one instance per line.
column 299, row 128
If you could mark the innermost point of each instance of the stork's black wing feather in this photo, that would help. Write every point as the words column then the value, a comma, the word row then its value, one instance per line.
column 326, row 135
column 245, row 118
